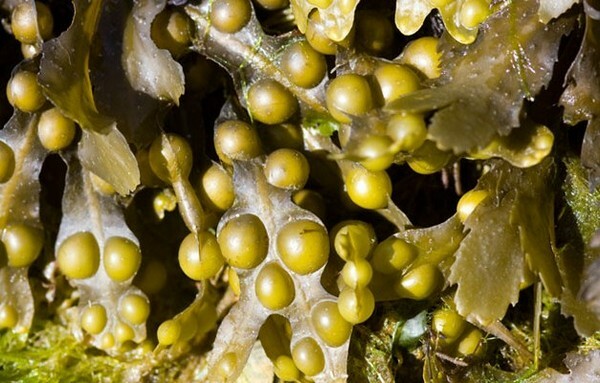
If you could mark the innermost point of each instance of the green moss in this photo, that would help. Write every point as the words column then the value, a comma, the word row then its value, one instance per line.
column 582, row 202
column 52, row 354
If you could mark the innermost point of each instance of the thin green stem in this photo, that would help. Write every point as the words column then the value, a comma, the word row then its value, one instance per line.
column 536, row 324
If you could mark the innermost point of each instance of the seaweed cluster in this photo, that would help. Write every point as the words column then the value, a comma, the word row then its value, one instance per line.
column 302, row 190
